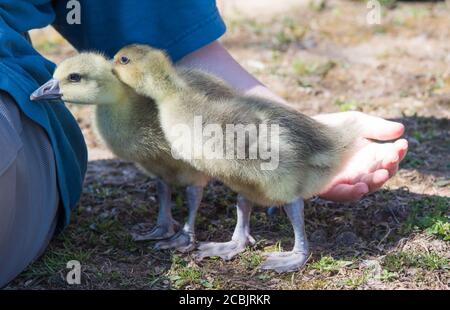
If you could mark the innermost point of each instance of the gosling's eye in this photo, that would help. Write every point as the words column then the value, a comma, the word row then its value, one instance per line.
column 74, row 77
column 124, row 60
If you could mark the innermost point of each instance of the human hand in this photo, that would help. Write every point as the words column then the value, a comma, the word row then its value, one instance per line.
column 373, row 163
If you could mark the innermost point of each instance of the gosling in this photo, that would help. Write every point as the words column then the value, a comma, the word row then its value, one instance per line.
column 310, row 153
column 129, row 125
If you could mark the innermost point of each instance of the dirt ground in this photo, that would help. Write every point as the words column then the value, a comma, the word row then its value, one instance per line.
column 321, row 56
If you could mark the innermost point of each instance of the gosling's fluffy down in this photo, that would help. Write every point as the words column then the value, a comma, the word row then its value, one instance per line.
column 310, row 153
column 127, row 122
column 129, row 125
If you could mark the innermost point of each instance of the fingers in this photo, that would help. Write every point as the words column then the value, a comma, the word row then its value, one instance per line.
column 373, row 165
column 396, row 153
column 372, row 127
column 366, row 183
column 402, row 146
column 376, row 179
column 346, row 192
column 352, row 192
column 380, row 129
column 390, row 162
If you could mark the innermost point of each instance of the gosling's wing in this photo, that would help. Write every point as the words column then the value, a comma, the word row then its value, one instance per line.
column 302, row 139
column 207, row 84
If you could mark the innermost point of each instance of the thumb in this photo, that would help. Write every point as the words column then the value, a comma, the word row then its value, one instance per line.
column 380, row 129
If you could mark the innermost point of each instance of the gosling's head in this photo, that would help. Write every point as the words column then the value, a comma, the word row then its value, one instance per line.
column 86, row 78
column 147, row 70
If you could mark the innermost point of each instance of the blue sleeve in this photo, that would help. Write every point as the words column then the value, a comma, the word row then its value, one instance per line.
column 22, row 70
column 177, row 26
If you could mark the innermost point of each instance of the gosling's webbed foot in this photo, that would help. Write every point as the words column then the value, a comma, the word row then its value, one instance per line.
column 224, row 250
column 284, row 261
column 158, row 232
column 182, row 241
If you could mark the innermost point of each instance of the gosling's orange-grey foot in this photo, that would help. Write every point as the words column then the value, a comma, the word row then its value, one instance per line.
column 295, row 259
column 184, row 240
column 241, row 236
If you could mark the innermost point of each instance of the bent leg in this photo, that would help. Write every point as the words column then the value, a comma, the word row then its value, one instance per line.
column 28, row 190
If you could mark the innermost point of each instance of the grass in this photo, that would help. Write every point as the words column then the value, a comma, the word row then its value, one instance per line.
column 251, row 259
column 289, row 32
column 317, row 5
column 424, row 135
column 347, row 105
column 307, row 68
column 328, row 263
column 184, row 273
column 388, row 276
column 411, row 160
column 399, row 261
column 431, row 215
column 54, row 262
column 388, row 3
column 355, row 282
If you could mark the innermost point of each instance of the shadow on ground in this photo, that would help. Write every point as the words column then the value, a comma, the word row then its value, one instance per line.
column 117, row 197
column 429, row 142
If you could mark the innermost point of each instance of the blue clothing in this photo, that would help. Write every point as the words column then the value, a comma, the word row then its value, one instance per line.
column 178, row 26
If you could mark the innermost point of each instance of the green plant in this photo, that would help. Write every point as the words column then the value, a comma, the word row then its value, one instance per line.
column 347, row 105
column 398, row 261
column 328, row 263
column 430, row 214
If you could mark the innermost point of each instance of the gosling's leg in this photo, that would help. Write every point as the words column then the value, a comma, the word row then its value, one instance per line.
column 295, row 259
column 273, row 211
column 184, row 240
column 165, row 224
column 241, row 236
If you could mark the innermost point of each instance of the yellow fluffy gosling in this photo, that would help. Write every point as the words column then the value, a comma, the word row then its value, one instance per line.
column 309, row 153
column 129, row 125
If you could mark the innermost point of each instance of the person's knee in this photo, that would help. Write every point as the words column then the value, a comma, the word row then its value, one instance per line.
column 10, row 145
column 28, row 191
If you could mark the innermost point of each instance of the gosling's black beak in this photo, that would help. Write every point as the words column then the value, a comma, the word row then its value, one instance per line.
column 48, row 91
